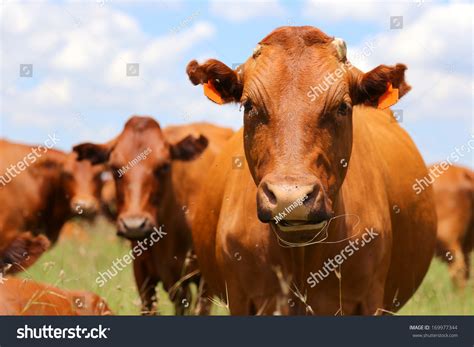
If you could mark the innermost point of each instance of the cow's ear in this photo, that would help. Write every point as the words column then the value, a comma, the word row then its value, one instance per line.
column 221, row 83
column 95, row 153
column 380, row 87
column 189, row 148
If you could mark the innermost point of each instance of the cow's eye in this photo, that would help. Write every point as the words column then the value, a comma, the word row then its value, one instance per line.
column 344, row 109
column 163, row 169
column 115, row 172
column 248, row 106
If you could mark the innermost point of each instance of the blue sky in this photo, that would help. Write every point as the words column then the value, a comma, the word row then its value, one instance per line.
column 79, row 52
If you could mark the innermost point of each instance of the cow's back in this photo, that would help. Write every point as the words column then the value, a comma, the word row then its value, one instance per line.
column 189, row 175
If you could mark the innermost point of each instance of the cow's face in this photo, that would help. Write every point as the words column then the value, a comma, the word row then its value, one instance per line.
column 82, row 182
column 78, row 182
column 297, row 91
column 141, row 159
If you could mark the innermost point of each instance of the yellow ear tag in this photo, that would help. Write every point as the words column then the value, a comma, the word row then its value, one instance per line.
column 211, row 93
column 389, row 98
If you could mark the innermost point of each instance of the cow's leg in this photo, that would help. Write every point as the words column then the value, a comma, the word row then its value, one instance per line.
column 180, row 291
column 457, row 267
column 146, row 285
column 180, row 294
column 203, row 304
column 373, row 303
column 181, row 297
column 238, row 303
column 468, row 245
column 467, row 262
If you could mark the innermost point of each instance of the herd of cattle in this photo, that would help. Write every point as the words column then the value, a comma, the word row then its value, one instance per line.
column 249, row 215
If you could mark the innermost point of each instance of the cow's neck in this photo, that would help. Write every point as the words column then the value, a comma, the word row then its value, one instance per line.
column 173, row 213
column 309, row 258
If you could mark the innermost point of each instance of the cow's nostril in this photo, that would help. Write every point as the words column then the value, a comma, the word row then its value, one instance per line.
column 269, row 194
column 134, row 223
column 310, row 198
column 289, row 198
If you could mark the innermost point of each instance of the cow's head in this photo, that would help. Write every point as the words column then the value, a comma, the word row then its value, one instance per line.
column 298, row 92
column 83, row 185
column 78, row 182
column 140, row 159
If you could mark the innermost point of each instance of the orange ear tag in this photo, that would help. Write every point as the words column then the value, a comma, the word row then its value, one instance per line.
column 389, row 98
column 211, row 93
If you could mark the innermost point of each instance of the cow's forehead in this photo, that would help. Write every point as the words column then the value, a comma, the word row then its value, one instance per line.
column 297, row 53
column 281, row 70
column 133, row 144
column 76, row 167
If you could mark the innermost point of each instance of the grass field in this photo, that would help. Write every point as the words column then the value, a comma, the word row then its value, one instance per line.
column 74, row 263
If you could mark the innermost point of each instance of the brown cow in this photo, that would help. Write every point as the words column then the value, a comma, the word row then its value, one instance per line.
column 22, row 297
column 40, row 189
column 157, row 177
column 325, row 172
column 454, row 196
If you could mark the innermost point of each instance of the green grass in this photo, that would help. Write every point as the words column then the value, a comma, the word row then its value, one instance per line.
column 438, row 296
column 75, row 264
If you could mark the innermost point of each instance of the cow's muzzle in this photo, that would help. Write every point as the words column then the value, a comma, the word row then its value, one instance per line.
column 294, row 204
column 134, row 227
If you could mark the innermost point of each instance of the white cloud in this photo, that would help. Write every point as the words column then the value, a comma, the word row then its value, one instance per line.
column 437, row 49
column 361, row 11
column 17, row 20
column 239, row 11
column 61, row 89
column 79, row 54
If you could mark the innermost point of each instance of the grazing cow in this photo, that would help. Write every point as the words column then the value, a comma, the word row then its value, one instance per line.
column 40, row 189
column 22, row 297
column 454, row 197
column 157, row 176
column 321, row 217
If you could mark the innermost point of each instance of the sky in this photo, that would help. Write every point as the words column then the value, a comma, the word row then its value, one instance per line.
column 64, row 63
